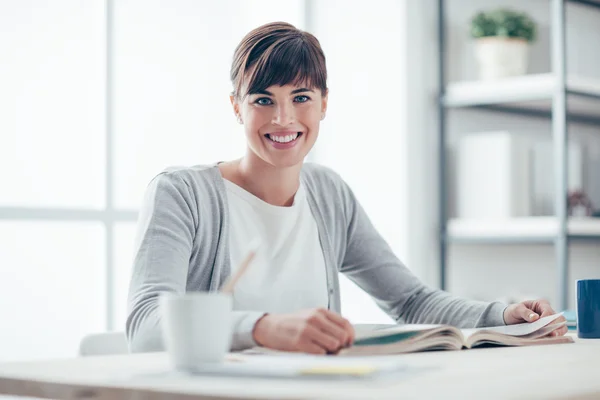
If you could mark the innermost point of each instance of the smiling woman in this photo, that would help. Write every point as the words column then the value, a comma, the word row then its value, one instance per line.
column 282, row 118
column 196, row 223
column 280, row 92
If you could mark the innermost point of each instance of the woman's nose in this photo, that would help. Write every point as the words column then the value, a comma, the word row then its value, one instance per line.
column 284, row 115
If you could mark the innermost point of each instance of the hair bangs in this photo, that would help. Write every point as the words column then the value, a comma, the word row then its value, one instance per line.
column 278, row 54
column 287, row 62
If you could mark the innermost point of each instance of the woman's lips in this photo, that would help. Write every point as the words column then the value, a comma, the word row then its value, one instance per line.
column 283, row 140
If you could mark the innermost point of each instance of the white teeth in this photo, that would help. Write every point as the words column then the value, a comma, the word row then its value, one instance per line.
column 284, row 139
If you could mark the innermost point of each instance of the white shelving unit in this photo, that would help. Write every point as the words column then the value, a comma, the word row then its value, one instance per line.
column 557, row 96
column 528, row 93
column 525, row 93
column 532, row 229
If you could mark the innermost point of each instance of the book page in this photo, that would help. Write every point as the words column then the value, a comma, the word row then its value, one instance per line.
column 515, row 330
column 374, row 331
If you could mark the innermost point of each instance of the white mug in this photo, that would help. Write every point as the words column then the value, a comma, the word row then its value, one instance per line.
column 196, row 327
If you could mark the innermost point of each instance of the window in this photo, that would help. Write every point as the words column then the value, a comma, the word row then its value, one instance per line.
column 67, row 248
column 52, row 167
column 52, row 149
column 99, row 96
column 52, row 279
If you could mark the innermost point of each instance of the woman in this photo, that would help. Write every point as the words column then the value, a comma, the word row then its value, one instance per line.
column 195, row 223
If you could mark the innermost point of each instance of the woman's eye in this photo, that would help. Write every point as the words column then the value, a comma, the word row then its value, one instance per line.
column 302, row 99
column 264, row 101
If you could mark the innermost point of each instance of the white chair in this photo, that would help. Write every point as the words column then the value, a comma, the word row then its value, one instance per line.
column 107, row 343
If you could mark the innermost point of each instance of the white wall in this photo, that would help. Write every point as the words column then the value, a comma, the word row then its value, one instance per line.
column 364, row 135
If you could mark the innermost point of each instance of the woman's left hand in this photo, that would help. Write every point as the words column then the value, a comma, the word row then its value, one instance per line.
column 530, row 311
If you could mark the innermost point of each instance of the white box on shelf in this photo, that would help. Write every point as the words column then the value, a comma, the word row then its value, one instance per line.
column 493, row 176
column 544, row 175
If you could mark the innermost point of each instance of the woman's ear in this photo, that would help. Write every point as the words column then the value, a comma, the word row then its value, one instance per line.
column 236, row 108
column 324, row 100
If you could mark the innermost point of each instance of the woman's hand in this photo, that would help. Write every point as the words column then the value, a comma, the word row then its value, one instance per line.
column 316, row 331
column 530, row 311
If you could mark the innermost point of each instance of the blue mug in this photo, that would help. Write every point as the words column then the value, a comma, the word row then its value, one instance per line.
column 588, row 308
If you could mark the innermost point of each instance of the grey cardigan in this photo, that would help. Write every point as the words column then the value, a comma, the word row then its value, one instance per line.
column 183, row 245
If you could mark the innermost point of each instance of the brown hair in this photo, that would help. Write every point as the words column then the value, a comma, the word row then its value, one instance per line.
column 277, row 54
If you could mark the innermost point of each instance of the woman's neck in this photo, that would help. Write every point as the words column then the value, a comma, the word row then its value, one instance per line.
column 274, row 185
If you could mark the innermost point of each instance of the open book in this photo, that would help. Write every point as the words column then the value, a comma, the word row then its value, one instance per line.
column 396, row 339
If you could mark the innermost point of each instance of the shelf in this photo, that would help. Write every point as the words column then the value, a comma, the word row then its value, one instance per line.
column 593, row 3
column 519, row 230
column 528, row 94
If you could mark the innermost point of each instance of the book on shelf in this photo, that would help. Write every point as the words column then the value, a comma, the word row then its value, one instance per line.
column 398, row 339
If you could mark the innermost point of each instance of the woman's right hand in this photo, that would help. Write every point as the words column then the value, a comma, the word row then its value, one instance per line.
column 316, row 331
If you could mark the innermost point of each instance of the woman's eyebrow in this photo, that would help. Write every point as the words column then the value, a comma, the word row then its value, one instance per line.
column 265, row 92
column 301, row 90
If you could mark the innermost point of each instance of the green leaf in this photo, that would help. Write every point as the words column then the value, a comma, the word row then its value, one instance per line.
column 503, row 22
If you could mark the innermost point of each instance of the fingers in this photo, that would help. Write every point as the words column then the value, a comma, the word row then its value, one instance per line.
column 323, row 323
column 308, row 346
column 323, row 339
column 543, row 307
column 343, row 324
column 560, row 331
column 326, row 330
column 524, row 313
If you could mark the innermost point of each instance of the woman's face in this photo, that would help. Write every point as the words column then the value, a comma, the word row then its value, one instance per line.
column 282, row 122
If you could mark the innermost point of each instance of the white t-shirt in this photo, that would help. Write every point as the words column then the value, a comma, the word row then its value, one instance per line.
column 288, row 273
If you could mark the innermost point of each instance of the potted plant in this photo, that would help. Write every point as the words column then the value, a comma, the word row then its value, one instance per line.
column 503, row 37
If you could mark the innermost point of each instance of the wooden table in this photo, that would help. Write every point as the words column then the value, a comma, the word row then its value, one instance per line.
column 541, row 372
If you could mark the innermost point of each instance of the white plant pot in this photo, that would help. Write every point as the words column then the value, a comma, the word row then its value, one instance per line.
column 501, row 57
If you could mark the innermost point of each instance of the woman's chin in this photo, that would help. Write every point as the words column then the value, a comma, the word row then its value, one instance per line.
column 285, row 162
column 286, row 158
